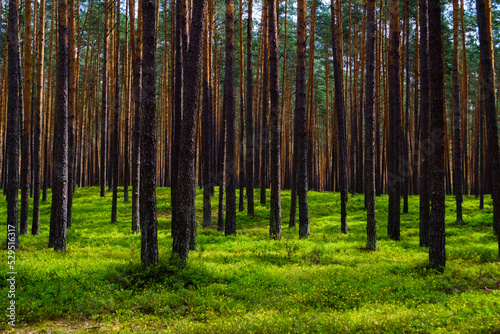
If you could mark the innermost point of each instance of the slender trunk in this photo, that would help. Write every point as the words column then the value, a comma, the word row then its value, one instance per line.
column 185, row 194
column 406, row 132
column 48, row 111
column 37, row 153
column 136, row 47
column 394, row 156
column 178, row 100
column 241, row 144
column 371, row 223
column 341, row 120
column 457, row 148
column 206, row 130
column 105, row 105
column 437, row 255
column 249, row 118
column 13, row 128
column 229, row 107
column 128, row 104
column 275, row 122
column 116, row 131
column 73, row 79
column 265, row 104
column 58, row 219
column 425, row 144
column 300, row 126
column 483, row 8
column 464, row 105
column 149, row 222
column 26, row 147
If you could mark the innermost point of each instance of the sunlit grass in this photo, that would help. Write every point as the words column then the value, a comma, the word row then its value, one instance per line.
column 250, row 283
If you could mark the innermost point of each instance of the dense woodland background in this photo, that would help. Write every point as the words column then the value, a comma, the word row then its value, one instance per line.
column 368, row 97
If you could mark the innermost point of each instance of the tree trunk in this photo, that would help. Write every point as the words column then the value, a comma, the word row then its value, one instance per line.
column 229, row 108
column 341, row 120
column 58, row 219
column 457, row 148
column 265, row 104
column 371, row 223
column 406, row 130
column 37, row 153
column 149, row 222
column 206, row 130
column 25, row 149
column 241, row 167
column 185, row 194
column 300, row 126
column 12, row 180
column 136, row 135
column 49, row 113
column 483, row 8
column 437, row 255
column 116, row 130
column 72, row 90
column 275, row 125
column 105, row 105
column 249, row 118
column 394, row 156
column 425, row 144
column 178, row 100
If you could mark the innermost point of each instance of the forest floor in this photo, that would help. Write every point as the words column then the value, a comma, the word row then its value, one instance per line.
column 250, row 283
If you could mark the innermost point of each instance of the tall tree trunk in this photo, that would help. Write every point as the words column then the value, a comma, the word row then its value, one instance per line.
column 25, row 149
column 149, row 222
column 38, row 103
column 128, row 106
column 73, row 79
column 394, row 155
column 425, row 144
column 457, row 148
column 480, row 180
column 178, row 100
column 437, row 255
column 105, row 105
column 12, row 193
column 275, row 125
column 362, row 96
column 483, row 8
column 185, row 194
column 229, row 108
column 249, row 118
column 136, row 135
column 300, row 126
column 206, row 130
column 48, row 108
column 406, row 130
column 58, row 219
column 116, row 131
column 371, row 223
column 341, row 120
column 416, row 119
column 265, row 104
column 241, row 144
column 464, row 105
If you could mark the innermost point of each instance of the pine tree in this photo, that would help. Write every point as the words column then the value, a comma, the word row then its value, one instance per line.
column 149, row 222
column 275, row 125
column 58, row 219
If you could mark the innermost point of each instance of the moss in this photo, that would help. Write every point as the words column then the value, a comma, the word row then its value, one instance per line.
column 250, row 283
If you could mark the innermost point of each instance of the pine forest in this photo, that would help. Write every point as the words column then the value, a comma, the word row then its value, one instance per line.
column 266, row 166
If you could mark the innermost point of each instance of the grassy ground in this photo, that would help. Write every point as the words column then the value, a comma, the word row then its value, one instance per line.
column 249, row 283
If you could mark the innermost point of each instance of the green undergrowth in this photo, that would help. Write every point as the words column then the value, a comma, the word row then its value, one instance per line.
column 250, row 283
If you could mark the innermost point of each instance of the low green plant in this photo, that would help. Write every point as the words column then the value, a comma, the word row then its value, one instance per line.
column 247, row 283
